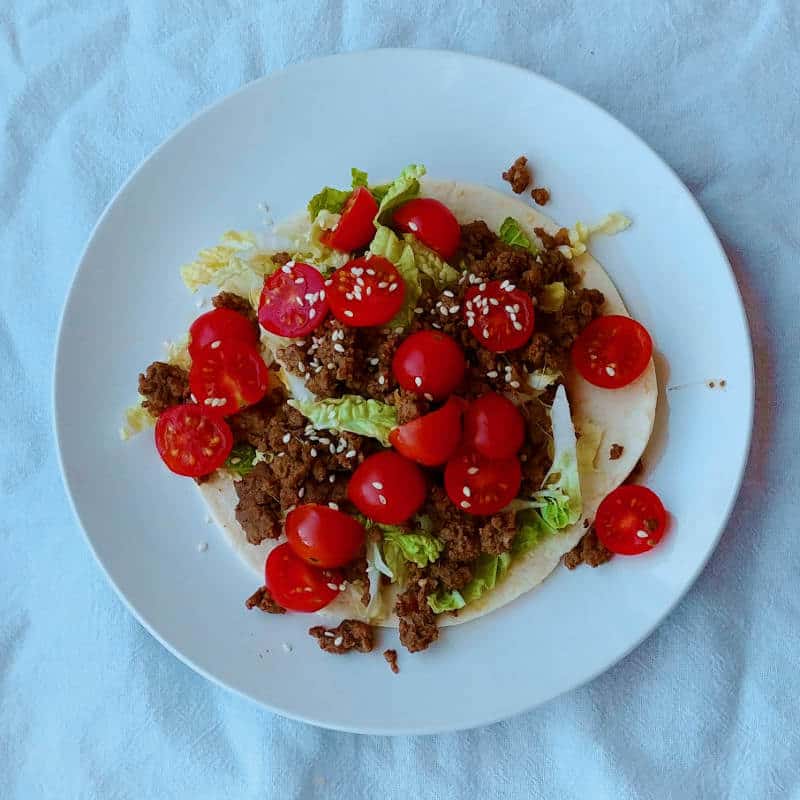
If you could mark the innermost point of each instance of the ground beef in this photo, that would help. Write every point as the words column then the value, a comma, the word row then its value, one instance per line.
column 589, row 550
column 280, row 258
column 348, row 635
column 391, row 660
column 162, row 386
column 615, row 451
column 450, row 575
column 498, row 532
column 418, row 629
column 540, row 196
column 241, row 305
column 262, row 599
column 356, row 572
column 459, row 531
column 409, row 406
column 477, row 238
column 518, row 175
column 258, row 510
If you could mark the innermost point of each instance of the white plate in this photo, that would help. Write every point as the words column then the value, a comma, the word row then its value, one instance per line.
column 278, row 140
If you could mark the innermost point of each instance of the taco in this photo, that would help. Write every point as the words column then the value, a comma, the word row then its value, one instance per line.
column 451, row 387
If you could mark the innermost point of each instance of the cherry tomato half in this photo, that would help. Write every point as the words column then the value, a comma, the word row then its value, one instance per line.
column 293, row 300
column 295, row 584
column 494, row 426
column 228, row 375
column 479, row 485
column 356, row 226
column 324, row 536
column 432, row 438
column 612, row 351
column 432, row 222
column 218, row 325
column 191, row 441
column 429, row 363
column 387, row 488
column 366, row 291
column 499, row 315
column 631, row 520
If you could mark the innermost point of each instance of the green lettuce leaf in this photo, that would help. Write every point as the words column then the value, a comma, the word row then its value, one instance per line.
column 610, row 225
column 359, row 177
column 552, row 297
column 489, row 571
column 387, row 244
column 531, row 530
column 333, row 200
column 430, row 265
column 419, row 548
column 403, row 188
column 242, row 459
column 443, row 601
column 350, row 413
column 511, row 232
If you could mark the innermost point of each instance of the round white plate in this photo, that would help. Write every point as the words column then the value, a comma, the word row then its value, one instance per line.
column 279, row 140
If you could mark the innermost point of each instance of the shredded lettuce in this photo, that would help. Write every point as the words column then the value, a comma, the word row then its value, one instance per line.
column 403, row 188
column 552, row 297
column 302, row 239
column 610, row 225
column 135, row 420
column 242, row 459
column 430, row 264
column 488, row 572
column 511, row 232
column 350, row 413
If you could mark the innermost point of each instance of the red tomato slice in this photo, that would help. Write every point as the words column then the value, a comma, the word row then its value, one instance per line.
column 324, row 536
column 295, row 584
column 293, row 300
column 228, row 375
column 479, row 485
column 387, row 488
column 494, row 426
column 366, row 291
column 499, row 315
column 432, row 438
column 191, row 441
column 631, row 520
column 220, row 324
column 356, row 226
column 612, row 351
column 432, row 222
column 429, row 363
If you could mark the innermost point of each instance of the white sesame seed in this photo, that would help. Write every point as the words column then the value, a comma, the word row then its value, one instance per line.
column 350, row 454
column 338, row 348
column 448, row 293
column 300, row 280
column 338, row 641
column 417, row 381
column 301, row 492
column 398, row 329
column 374, row 361
column 393, row 286
column 236, row 460
column 454, row 309
column 470, row 323
column 332, row 448
column 412, row 226
column 610, row 371
column 313, row 452
column 322, row 294
column 357, row 272
column 517, row 326
column 331, row 479
column 382, row 500
column 383, row 284
column 510, row 287
column 485, row 334
column 331, row 365
column 492, row 373
column 348, row 312
column 329, row 282
column 377, row 485
column 482, row 287
column 428, row 396
column 371, row 271
column 348, row 295
column 417, row 310
column 642, row 534
column 215, row 344
column 325, row 440
column 287, row 437
column 281, row 455
column 466, row 491
column 381, row 380
column 334, row 506
column 514, row 384
column 473, row 471
column 312, row 312
column 465, row 504
column 342, row 587
column 369, row 291
column 329, row 634
column 286, row 269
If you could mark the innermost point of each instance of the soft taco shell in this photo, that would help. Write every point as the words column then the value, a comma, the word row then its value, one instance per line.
column 625, row 417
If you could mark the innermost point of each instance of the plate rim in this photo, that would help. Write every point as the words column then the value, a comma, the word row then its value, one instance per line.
column 454, row 55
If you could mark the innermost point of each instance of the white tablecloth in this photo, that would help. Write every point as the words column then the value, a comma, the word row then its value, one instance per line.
column 92, row 707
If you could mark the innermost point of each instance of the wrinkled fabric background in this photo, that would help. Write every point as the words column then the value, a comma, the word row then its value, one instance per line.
column 92, row 707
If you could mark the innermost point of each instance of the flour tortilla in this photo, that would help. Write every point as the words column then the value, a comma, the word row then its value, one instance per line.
column 625, row 417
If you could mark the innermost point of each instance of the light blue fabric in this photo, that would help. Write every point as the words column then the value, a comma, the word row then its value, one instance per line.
column 92, row 707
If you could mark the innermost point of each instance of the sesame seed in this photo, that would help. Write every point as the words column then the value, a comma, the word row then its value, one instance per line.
column 393, row 286
column 357, row 272
column 369, row 291
column 448, row 293
column 333, row 587
column 331, row 365
column 482, row 287
column 235, row 460
column 338, row 641
column 473, row 471
column 287, row 437
column 370, row 271
column 332, row 448
column 412, row 226
column 301, row 492
column 517, row 326
column 381, row 380
column 382, row 499
column 322, row 294
column 215, row 344
column 454, row 309
column 610, row 371
column 465, row 504
column 350, row 454
column 348, row 312
column 417, row 310
column 325, row 440
column 281, row 455
column 510, row 287
column 331, row 479
column 312, row 312
column 382, row 284
column 338, row 348
column 334, row 506
column 494, row 301
column 329, row 282
column 467, row 492
column 492, row 373
column 417, row 381
column 342, row 587
column 374, row 361
column 428, row 396
column 348, row 296
column 485, row 334
column 470, row 322
column 398, row 329
column 642, row 534
column 514, row 384
column 313, row 452
column 299, row 280
column 286, row 269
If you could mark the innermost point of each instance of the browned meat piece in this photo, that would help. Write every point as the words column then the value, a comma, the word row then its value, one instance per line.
column 418, row 629
column 518, row 175
column 241, row 305
column 540, row 195
column 589, row 550
column 258, row 510
column 280, row 258
column 163, row 385
column 450, row 575
column 459, row 531
column 498, row 532
column 348, row 635
column 409, row 405
column 477, row 238
column 391, row 660
column 615, row 451
column 356, row 572
column 263, row 600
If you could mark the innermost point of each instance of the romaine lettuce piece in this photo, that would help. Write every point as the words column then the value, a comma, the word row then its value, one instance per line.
column 552, row 297
column 511, row 232
column 430, row 265
column 403, row 188
column 350, row 413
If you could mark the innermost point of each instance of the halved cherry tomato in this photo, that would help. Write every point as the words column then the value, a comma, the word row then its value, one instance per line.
column 356, row 226
column 295, row 584
column 479, row 485
column 324, row 536
column 432, row 438
column 493, row 426
column 293, row 300
column 499, row 315
column 432, row 222
column 429, row 363
column 387, row 488
column 366, row 291
column 191, row 441
column 228, row 375
column 220, row 324
column 612, row 351
column 631, row 520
